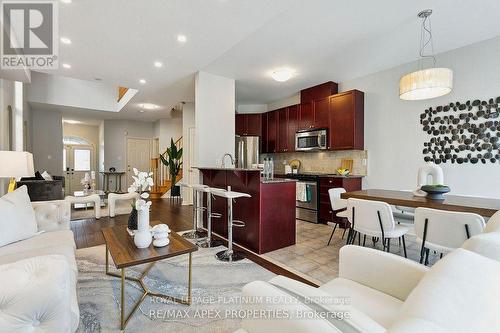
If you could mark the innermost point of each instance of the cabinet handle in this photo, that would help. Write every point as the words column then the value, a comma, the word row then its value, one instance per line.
column 330, row 181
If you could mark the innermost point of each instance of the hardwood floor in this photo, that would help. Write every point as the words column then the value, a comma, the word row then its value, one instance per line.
column 178, row 217
column 88, row 231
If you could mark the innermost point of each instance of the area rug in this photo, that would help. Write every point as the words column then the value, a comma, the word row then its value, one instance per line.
column 216, row 288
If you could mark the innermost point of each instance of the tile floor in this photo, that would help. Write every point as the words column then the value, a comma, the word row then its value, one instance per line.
column 311, row 258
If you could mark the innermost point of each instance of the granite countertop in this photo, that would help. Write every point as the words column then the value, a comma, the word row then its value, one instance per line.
column 227, row 169
column 277, row 180
column 332, row 175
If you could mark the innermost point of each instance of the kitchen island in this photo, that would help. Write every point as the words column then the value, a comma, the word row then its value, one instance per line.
column 269, row 214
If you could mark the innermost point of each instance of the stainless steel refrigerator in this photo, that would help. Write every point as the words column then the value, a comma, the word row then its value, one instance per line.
column 247, row 151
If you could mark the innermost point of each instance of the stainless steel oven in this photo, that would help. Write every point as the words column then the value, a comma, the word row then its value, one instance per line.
column 308, row 210
column 311, row 140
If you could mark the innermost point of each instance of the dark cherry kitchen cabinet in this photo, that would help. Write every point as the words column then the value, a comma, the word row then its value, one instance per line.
column 321, row 111
column 306, row 116
column 240, row 126
column 347, row 120
column 272, row 132
column 254, row 127
column 319, row 91
column 283, row 130
column 325, row 183
column 248, row 124
column 293, row 125
column 264, row 139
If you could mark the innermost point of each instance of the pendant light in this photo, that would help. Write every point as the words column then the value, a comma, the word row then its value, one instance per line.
column 426, row 83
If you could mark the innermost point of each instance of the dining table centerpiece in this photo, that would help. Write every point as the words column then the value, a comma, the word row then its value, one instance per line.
column 143, row 181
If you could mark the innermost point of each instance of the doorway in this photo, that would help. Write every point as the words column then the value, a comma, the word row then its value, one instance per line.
column 77, row 160
column 138, row 156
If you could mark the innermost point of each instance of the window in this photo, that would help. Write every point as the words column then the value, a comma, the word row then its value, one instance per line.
column 82, row 159
column 74, row 140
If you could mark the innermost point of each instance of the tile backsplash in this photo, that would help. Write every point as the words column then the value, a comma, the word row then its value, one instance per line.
column 322, row 162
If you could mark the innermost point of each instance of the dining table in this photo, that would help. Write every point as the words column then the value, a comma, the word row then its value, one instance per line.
column 482, row 206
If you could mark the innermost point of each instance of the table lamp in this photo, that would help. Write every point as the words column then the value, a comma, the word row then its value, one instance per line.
column 16, row 164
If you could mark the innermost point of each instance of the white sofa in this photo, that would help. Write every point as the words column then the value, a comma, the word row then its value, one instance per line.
column 38, row 276
column 388, row 293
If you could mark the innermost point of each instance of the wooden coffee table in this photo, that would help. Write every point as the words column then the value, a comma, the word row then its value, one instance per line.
column 125, row 254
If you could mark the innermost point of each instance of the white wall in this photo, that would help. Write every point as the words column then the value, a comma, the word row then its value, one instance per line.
column 28, row 121
column 115, row 138
column 292, row 100
column 251, row 108
column 215, row 116
column 188, row 125
column 48, row 141
column 6, row 99
column 394, row 137
column 60, row 90
column 166, row 129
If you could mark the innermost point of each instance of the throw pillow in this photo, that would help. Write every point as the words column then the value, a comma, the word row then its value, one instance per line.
column 46, row 176
column 17, row 217
column 38, row 176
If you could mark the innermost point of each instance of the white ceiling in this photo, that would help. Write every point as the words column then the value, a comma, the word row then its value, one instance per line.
column 118, row 41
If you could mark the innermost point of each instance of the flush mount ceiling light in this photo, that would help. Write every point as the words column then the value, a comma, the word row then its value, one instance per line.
column 426, row 83
column 66, row 1
column 158, row 64
column 149, row 106
column 65, row 40
column 282, row 74
column 181, row 38
column 67, row 66
column 142, row 81
column 72, row 122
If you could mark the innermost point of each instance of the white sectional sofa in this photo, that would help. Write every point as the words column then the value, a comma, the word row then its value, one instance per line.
column 387, row 293
column 38, row 276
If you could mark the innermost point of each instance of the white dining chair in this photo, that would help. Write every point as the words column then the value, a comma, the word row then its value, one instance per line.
column 374, row 219
column 493, row 223
column 339, row 209
column 444, row 231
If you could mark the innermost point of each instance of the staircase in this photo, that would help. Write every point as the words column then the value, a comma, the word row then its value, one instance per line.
column 161, row 176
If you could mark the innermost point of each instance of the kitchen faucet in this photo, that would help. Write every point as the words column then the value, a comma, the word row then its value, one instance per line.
column 224, row 158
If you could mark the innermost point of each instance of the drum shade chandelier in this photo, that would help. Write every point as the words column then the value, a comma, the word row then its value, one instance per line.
column 426, row 83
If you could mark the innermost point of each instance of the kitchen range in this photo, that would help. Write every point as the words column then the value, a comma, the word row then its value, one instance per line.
column 313, row 202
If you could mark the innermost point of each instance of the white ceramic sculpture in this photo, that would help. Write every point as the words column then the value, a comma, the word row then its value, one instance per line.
column 430, row 169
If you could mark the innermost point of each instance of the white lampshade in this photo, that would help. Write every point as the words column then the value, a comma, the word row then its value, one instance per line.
column 15, row 164
column 426, row 84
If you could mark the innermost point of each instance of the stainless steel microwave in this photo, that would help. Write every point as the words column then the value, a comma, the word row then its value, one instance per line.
column 311, row 140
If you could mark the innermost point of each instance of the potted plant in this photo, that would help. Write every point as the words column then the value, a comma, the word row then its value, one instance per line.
column 173, row 161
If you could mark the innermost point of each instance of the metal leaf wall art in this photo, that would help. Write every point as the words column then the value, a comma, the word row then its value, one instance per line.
column 463, row 132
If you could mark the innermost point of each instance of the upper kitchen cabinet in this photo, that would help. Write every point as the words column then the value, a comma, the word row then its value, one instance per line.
column 347, row 120
column 254, row 124
column 272, row 132
column 248, row 124
column 240, row 125
column 306, row 116
column 293, row 125
column 283, row 130
column 317, row 92
column 321, row 108
column 264, row 141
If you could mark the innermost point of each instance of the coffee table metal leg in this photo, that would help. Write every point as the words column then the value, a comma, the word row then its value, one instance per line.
column 122, row 304
column 146, row 292
column 189, row 280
